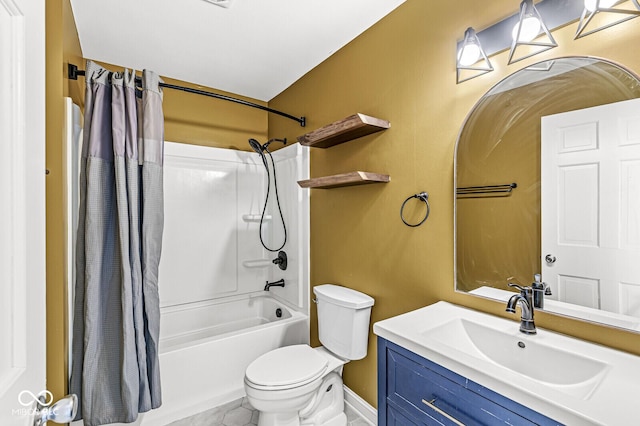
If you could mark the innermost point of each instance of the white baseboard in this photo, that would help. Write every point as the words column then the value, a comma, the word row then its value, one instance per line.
column 366, row 411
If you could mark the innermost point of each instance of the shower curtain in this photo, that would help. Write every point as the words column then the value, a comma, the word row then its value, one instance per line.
column 115, row 370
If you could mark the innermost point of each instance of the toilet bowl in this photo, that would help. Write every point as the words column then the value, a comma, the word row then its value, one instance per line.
column 300, row 385
column 286, row 384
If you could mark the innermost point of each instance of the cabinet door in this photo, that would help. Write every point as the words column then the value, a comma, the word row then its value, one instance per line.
column 418, row 389
column 395, row 418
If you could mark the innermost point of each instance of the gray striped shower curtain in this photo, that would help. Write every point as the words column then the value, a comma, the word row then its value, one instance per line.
column 115, row 371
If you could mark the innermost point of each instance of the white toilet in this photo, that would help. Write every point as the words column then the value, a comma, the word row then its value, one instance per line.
column 300, row 385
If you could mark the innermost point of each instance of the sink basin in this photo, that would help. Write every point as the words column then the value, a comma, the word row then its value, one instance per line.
column 566, row 379
column 573, row 373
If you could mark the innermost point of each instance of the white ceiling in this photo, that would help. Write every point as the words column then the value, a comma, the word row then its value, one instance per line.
column 255, row 48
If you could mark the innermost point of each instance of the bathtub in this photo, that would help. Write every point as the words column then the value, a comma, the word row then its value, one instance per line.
column 206, row 347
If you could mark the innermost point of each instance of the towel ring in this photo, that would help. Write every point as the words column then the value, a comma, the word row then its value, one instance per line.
column 423, row 196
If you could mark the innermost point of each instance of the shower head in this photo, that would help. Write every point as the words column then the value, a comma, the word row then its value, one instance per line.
column 255, row 145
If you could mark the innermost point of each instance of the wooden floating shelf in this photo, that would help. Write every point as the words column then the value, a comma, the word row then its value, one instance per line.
column 350, row 128
column 344, row 179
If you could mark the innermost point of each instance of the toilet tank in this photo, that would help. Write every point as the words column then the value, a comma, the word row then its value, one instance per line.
column 343, row 320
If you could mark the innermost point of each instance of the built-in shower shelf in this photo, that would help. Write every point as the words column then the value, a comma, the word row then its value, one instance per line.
column 344, row 130
column 344, row 179
column 257, row 263
column 255, row 218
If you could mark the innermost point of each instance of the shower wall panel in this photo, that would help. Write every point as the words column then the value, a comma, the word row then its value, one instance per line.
column 213, row 204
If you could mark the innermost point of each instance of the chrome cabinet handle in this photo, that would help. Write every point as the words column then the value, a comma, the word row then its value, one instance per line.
column 439, row 411
column 550, row 258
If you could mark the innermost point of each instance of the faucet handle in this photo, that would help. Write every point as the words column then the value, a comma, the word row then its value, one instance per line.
column 519, row 287
column 525, row 291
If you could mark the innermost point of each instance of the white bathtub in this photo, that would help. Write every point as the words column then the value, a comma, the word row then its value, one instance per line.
column 205, row 349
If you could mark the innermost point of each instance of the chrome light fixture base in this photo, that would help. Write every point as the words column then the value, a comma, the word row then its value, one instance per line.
column 528, row 10
column 588, row 16
column 467, row 69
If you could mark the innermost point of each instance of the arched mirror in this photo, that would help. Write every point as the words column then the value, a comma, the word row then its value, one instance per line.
column 547, row 178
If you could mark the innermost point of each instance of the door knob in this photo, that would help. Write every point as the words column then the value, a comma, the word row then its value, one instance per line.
column 550, row 258
column 62, row 411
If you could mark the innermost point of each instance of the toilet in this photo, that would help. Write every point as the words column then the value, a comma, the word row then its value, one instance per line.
column 300, row 385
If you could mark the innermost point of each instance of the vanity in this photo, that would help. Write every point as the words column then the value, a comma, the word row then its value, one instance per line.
column 445, row 364
column 414, row 390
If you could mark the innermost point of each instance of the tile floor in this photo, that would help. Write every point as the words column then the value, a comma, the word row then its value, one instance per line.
column 241, row 413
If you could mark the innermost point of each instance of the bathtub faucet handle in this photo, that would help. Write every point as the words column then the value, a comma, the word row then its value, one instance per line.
column 281, row 260
column 279, row 283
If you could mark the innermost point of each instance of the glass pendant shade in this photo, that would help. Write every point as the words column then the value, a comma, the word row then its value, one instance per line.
column 598, row 15
column 530, row 27
column 471, row 61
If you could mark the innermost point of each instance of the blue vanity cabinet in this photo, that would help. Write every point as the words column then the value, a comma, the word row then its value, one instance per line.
column 415, row 391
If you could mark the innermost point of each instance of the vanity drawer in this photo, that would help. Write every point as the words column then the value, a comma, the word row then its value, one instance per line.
column 418, row 389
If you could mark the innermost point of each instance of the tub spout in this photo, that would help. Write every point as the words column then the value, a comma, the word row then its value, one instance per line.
column 279, row 283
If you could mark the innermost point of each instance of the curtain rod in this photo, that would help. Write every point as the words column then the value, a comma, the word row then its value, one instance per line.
column 74, row 72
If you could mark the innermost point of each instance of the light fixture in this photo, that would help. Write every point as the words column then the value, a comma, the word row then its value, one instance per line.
column 529, row 27
column 529, row 34
column 472, row 61
column 601, row 14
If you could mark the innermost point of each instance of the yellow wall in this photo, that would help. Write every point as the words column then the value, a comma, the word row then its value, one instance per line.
column 60, row 44
column 403, row 70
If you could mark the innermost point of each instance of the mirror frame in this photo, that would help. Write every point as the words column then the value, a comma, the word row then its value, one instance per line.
column 585, row 317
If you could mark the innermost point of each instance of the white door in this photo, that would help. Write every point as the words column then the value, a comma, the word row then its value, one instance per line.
column 22, row 208
column 590, row 183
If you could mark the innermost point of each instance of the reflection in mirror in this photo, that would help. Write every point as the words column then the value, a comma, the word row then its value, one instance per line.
column 504, row 234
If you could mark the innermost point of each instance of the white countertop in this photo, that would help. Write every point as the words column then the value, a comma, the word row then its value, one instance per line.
column 611, row 401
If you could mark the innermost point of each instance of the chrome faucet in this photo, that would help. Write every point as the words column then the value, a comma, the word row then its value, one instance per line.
column 279, row 283
column 525, row 297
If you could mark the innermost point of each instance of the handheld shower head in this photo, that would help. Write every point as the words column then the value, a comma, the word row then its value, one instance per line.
column 261, row 149
column 255, row 145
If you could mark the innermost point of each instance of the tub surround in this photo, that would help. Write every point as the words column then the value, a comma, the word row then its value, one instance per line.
column 213, row 203
column 215, row 316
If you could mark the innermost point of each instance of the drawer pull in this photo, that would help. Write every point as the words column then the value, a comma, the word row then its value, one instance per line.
column 439, row 411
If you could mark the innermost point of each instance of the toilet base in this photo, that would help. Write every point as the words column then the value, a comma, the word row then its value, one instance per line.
column 327, row 406
column 339, row 420
column 292, row 419
column 280, row 419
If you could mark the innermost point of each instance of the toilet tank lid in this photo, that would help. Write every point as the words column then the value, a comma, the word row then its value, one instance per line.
column 343, row 296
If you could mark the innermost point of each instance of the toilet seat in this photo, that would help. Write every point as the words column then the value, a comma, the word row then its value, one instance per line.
column 285, row 368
